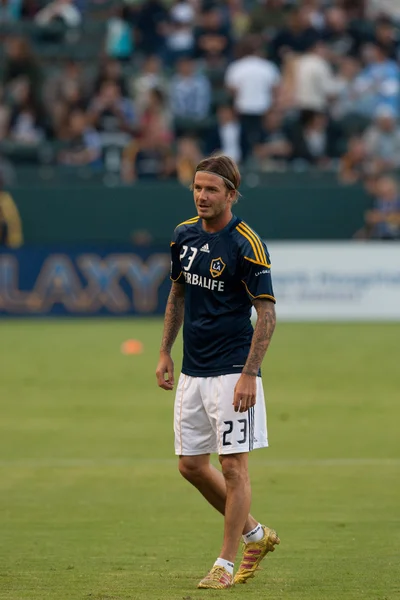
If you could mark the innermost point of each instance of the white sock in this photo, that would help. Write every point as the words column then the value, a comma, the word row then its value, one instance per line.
column 255, row 535
column 221, row 562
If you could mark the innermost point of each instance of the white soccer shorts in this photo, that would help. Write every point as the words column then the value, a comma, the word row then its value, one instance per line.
column 205, row 421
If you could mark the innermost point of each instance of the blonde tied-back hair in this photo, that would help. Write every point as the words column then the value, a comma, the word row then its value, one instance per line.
column 225, row 167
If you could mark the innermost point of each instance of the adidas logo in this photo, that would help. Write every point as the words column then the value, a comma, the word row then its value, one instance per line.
column 205, row 248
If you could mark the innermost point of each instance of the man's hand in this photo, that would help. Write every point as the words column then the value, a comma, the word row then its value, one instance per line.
column 165, row 366
column 245, row 392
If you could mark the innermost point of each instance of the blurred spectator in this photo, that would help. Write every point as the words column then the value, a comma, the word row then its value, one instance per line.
column 353, row 164
column 313, row 13
column 355, row 9
column 213, row 41
column 267, row 17
column 156, row 119
column 383, row 220
column 375, row 8
column 239, row 18
column 144, row 158
column 10, row 10
column 152, row 25
column 295, row 37
column 110, row 111
column 313, row 78
column 274, row 144
column 150, row 77
column 27, row 123
column 313, row 139
column 285, row 92
column 180, row 36
column 70, row 84
column 253, row 81
column 188, row 156
column 227, row 136
column 68, row 97
column 343, row 92
column 190, row 92
column 20, row 63
column 59, row 120
column 369, row 183
column 378, row 82
column 336, row 36
column 387, row 36
column 59, row 11
column 119, row 36
column 111, row 70
column 29, row 9
column 382, row 140
column 83, row 143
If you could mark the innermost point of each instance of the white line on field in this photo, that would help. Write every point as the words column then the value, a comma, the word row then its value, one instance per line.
column 137, row 462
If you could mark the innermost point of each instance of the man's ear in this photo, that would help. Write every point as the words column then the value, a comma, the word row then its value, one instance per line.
column 232, row 196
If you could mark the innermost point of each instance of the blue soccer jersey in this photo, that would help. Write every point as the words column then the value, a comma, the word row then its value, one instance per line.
column 222, row 273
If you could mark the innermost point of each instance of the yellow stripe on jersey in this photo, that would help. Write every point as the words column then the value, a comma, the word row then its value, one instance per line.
column 172, row 244
column 257, row 241
column 256, row 262
column 260, row 295
column 174, row 280
column 189, row 221
column 253, row 244
column 250, row 240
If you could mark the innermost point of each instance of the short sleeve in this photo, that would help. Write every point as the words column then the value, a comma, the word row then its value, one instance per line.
column 255, row 264
column 257, row 280
column 176, row 274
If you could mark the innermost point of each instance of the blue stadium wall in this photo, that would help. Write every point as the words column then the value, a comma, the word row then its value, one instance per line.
column 84, row 281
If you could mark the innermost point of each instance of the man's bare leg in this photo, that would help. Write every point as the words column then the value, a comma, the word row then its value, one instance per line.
column 211, row 483
column 238, row 500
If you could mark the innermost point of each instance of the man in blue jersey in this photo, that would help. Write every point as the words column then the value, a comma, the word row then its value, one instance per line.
column 220, row 269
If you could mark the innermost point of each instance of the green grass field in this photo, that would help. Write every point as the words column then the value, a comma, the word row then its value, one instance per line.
column 92, row 506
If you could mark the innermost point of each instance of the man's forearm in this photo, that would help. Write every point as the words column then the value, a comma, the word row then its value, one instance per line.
column 266, row 321
column 173, row 317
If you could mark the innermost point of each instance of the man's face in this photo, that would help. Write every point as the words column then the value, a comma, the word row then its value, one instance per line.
column 77, row 123
column 385, row 33
column 152, row 65
column 387, row 189
column 211, row 196
column 371, row 53
column 110, row 93
column 336, row 19
column 185, row 67
column 211, row 19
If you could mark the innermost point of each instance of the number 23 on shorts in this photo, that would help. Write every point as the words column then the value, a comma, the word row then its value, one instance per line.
column 239, row 436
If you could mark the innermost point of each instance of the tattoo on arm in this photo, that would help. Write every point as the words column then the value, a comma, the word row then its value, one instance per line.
column 173, row 316
column 266, row 321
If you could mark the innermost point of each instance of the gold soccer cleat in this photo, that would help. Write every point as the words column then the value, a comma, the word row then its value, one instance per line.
column 217, row 579
column 254, row 552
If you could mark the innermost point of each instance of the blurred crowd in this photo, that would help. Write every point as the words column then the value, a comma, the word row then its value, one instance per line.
column 276, row 84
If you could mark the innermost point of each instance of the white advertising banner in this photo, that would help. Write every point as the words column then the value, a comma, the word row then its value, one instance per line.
column 325, row 281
